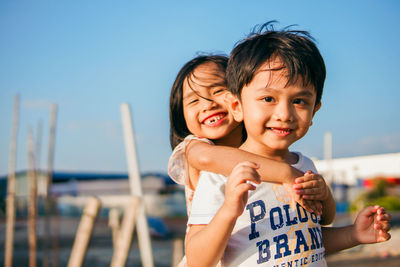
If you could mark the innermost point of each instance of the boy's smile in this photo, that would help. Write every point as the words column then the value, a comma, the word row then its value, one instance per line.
column 204, row 106
column 275, row 113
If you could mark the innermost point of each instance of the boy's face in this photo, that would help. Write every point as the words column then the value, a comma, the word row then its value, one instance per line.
column 204, row 107
column 276, row 115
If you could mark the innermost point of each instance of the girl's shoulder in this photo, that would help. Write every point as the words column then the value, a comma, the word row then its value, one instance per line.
column 177, row 164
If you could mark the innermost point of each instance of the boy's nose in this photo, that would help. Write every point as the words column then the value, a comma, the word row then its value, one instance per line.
column 283, row 112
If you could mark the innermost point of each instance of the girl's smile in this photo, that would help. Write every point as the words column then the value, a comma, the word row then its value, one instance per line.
column 215, row 119
column 204, row 106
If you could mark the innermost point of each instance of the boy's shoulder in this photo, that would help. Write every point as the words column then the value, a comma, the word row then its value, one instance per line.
column 304, row 163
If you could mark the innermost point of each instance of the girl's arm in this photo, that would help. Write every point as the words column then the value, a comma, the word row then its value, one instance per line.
column 203, row 156
column 222, row 159
column 371, row 226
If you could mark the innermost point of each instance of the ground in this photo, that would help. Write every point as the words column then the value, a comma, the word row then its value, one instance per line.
column 100, row 250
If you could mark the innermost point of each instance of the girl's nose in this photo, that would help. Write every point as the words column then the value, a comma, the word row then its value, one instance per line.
column 208, row 103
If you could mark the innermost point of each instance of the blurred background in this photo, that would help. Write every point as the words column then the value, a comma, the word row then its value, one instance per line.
column 89, row 57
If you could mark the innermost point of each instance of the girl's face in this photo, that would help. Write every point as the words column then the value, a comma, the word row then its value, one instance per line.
column 204, row 107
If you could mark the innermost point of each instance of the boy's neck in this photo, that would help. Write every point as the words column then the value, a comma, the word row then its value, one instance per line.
column 279, row 155
column 233, row 139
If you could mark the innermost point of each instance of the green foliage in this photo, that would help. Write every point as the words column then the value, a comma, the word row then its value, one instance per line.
column 377, row 196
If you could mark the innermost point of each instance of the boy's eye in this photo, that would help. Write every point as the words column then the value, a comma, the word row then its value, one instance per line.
column 299, row 101
column 268, row 99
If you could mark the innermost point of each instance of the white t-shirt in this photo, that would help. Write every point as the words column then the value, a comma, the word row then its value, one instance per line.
column 272, row 231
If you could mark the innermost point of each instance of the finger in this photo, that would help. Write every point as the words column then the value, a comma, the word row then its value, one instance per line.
column 249, row 175
column 242, row 174
column 383, row 236
column 244, row 188
column 369, row 211
column 382, row 226
column 380, row 210
column 308, row 184
column 383, row 218
column 305, row 178
column 307, row 205
column 308, row 191
column 313, row 206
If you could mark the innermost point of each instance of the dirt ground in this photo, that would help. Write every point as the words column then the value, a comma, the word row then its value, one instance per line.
column 99, row 252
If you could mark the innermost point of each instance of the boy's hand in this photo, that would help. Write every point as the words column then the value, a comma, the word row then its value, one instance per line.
column 372, row 225
column 237, row 187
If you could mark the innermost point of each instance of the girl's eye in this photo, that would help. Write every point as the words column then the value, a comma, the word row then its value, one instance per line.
column 268, row 99
column 193, row 101
column 218, row 91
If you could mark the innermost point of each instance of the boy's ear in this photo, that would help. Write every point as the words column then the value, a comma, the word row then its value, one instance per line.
column 316, row 108
column 234, row 106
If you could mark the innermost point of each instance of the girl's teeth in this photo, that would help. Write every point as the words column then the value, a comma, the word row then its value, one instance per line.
column 213, row 119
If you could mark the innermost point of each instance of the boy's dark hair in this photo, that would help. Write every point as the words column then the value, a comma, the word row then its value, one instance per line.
column 296, row 50
column 178, row 126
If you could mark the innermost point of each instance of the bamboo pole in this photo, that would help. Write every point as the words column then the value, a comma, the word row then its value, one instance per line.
column 124, row 239
column 32, row 204
column 113, row 223
column 136, row 187
column 10, row 202
column 84, row 232
column 48, row 198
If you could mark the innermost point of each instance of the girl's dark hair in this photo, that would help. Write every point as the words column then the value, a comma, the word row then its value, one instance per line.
column 296, row 50
column 178, row 127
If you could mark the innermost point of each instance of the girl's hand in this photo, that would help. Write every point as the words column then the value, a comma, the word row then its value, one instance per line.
column 372, row 225
column 241, row 180
column 312, row 187
column 309, row 205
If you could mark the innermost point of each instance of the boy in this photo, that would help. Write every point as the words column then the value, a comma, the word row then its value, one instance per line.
column 276, row 80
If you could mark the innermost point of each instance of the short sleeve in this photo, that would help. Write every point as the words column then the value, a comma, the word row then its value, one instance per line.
column 177, row 164
column 208, row 198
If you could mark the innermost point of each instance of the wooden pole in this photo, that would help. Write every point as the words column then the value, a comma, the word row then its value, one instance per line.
column 113, row 223
column 50, row 157
column 38, row 146
column 136, row 187
column 124, row 239
column 32, row 206
column 10, row 202
column 177, row 251
column 84, row 232
column 48, row 197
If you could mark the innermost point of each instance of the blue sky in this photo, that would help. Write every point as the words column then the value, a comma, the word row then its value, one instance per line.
column 90, row 56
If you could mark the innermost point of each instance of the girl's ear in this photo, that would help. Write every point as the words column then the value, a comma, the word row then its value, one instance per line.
column 234, row 106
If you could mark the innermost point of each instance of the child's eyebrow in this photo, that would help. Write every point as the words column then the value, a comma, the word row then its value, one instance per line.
column 304, row 93
column 189, row 94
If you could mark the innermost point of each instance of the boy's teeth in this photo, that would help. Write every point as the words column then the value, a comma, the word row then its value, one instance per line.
column 280, row 130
